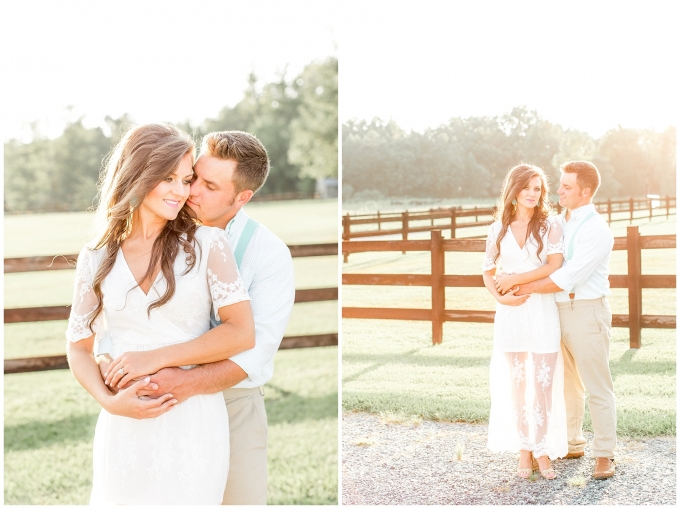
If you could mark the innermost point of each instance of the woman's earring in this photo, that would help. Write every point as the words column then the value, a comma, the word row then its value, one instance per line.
column 134, row 201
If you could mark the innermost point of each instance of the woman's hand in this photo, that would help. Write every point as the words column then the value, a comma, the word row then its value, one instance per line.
column 127, row 404
column 505, row 282
column 509, row 299
column 129, row 366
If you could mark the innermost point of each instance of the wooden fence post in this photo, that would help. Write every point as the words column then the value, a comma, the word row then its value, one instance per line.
column 668, row 206
column 438, row 289
column 634, row 288
column 609, row 210
column 632, row 208
column 453, row 222
column 404, row 227
column 345, row 235
column 650, row 209
column 379, row 225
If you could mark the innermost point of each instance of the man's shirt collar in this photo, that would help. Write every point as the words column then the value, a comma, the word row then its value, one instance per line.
column 237, row 223
column 581, row 212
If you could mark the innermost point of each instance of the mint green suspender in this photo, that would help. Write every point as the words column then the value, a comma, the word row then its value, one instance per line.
column 243, row 241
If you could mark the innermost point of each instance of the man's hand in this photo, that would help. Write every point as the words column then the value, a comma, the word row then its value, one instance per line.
column 169, row 380
column 510, row 299
column 127, row 404
column 104, row 361
column 505, row 282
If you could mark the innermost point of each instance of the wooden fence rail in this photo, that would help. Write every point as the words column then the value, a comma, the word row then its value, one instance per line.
column 455, row 218
column 61, row 262
column 634, row 281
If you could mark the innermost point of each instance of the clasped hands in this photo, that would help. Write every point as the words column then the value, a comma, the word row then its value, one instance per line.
column 505, row 282
column 138, row 391
column 507, row 286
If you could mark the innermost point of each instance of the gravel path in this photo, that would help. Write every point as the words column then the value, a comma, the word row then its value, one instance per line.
column 416, row 463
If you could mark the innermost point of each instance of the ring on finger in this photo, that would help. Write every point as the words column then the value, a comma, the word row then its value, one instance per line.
column 121, row 372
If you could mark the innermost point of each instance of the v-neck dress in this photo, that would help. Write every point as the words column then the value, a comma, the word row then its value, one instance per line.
column 527, row 393
column 181, row 456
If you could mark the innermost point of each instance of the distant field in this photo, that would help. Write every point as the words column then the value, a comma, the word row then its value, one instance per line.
column 390, row 367
column 413, row 204
column 295, row 221
column 49, row 418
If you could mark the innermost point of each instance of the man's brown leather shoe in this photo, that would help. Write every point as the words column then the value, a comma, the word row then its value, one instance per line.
column 574, row 455
column 604, row 468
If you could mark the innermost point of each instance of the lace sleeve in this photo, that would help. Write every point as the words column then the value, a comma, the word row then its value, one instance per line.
column 555, row 237
column 224, row 280
column 491, row 250
column 84, row 299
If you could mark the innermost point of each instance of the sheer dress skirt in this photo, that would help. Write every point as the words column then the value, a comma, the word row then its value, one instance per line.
column 527, row 380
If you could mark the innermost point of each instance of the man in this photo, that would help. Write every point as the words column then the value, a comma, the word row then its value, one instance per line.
column 582, row 285
column 232, row 166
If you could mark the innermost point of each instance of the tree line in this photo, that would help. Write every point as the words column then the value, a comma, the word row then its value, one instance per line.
column 469, row 157
column 296, row 119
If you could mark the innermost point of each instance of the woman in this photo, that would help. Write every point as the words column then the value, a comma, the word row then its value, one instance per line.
column 150, row 281
column 527, row 370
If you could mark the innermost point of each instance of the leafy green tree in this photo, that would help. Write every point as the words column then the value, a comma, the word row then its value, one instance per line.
column 27, row 183
column 314, row 132
column 267, row 112
column 469, row 157
column 301, row 112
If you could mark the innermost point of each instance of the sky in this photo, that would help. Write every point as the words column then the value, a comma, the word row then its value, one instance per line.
column 159, row 61
column 588, row 66
column 585, row 65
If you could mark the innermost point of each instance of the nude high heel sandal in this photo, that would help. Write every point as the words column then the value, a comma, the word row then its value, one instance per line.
column 525, row 472
column 548, row 473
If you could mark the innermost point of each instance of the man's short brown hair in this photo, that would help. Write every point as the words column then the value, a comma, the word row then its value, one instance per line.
column 587, row 174
column 252, row 161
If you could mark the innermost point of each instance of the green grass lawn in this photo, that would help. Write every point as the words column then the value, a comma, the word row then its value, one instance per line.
column 49, row 418
column 391, row 368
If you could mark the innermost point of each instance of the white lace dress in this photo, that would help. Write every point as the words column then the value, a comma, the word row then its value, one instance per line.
column 527, row 370
column 182, row 456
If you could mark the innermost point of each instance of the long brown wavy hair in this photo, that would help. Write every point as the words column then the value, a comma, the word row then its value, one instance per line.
column 517, row 179
column 142, row 159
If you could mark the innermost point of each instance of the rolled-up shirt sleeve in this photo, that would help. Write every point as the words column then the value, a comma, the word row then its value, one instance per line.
column 272, row 294
column 103, row 343
column 590, row 249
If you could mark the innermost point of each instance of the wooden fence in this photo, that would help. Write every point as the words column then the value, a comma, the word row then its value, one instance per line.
column 61, row 262
column 634, row 281
column 459, row 217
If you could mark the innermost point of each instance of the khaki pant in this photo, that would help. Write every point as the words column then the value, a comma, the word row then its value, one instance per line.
column 586, row 334
column 247, row 480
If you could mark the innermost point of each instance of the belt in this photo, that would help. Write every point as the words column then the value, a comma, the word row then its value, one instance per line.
column 235, row 393
column 571, row 304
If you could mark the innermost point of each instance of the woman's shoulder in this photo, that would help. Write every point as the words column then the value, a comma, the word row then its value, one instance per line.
column 495, row 227
column 210, row 233
column 89, row 259
column 92, row 252
column 209, row 237
column 554, row 221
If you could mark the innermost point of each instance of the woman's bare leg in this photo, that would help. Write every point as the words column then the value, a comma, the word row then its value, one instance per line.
column 544, row 371
column 517, row 362
column 518, row 373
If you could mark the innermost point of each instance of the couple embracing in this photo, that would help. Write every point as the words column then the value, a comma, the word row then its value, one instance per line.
column 552, row 328
column 180, row 303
